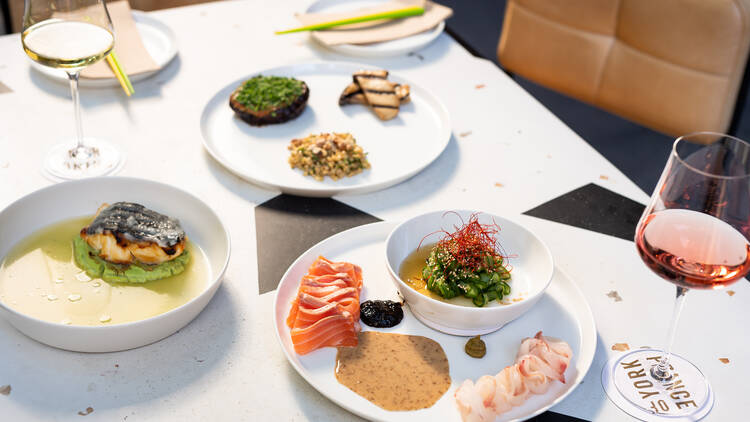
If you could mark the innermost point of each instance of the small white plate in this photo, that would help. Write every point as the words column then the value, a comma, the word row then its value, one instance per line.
column 380, row 49
column 397, row 149
column 158, row 39
column 562, row 312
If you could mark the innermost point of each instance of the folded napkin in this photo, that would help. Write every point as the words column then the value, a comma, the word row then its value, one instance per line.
column 129, row 47
column 4, row 88
column 377, row 31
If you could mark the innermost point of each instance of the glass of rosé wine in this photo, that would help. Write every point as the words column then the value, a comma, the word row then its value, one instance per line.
column 694, row 233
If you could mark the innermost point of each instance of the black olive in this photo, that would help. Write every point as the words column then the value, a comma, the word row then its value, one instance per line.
column 381, row 313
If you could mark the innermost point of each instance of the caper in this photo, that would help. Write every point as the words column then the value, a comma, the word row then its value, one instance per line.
column 475, row 347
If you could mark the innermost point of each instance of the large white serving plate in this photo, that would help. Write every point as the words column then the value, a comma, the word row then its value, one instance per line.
column 378, row 49
column 158, row 39
column 397, row 149
column 79, row 198
column 562, row 312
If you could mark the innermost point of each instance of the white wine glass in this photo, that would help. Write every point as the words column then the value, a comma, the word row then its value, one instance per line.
column 71, row 35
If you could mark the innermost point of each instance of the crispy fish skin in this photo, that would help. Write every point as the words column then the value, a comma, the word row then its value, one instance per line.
column 124, row 233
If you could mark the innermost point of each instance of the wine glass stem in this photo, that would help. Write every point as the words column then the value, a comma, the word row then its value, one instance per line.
column 73, row 77
column 661, row 370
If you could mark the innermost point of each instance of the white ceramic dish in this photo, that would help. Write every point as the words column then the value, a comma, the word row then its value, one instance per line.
column 74, row 199
column 530, row 259
column 158, row 39
column 380, row 49
column 561, row 312
column 397, row 149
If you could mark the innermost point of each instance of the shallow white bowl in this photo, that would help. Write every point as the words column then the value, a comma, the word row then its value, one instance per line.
column 531, row 274
column 79, row 198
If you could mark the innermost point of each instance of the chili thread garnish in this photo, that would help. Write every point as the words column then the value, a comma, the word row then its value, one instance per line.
column 470, row 241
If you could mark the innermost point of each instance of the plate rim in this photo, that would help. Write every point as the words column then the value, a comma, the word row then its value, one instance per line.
column 140, row 18
column 444, row 137
column 587, row 325
column 366, row 50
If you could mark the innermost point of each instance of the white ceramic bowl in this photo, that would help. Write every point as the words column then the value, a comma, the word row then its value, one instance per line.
column 530, row 276
column 79, row 198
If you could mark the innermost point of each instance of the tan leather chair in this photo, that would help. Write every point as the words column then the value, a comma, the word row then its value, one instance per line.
column 672, row 65
column 16, row 8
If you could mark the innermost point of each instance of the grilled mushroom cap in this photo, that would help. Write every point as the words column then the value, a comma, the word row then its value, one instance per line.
column 270, row 115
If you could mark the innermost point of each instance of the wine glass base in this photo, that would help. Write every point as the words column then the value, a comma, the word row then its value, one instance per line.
column 627, row 381
column 101, row 159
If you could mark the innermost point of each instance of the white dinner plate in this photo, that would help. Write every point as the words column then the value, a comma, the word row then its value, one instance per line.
column 562, row 312
column 158, row 39
column 396, row 149
column 380, row 49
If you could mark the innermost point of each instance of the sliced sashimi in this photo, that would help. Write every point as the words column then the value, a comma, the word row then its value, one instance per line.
column 540, row 361
column 331, row 331
column 325, row 312
column 323, row 266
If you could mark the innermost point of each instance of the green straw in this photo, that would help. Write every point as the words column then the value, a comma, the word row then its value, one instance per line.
column 119, row 70
column 393, row 14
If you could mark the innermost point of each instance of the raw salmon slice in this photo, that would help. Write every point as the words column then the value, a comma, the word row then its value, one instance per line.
column 325, row 312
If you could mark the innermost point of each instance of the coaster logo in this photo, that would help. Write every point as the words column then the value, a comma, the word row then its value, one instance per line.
column 658, row 396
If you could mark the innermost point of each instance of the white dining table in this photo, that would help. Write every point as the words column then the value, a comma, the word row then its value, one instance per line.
column 508, row 154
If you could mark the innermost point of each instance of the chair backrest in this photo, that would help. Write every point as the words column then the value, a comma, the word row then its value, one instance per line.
column 672, row 65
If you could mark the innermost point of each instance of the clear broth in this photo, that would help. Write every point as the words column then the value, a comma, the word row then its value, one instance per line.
column 39, row 278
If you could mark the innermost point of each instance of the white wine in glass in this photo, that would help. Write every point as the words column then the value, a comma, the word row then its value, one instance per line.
column 70, row 35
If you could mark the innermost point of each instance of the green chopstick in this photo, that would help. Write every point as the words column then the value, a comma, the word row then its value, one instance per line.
column 393, row 14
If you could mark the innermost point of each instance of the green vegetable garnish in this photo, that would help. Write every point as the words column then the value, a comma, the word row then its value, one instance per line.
column 267, row 92
column 88, row 260
column 475, row 347
column 467, row 263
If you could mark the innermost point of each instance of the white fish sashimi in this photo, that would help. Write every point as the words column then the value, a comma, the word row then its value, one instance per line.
column 539, row 362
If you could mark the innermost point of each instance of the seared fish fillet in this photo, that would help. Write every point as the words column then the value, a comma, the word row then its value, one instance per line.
column 125, row 232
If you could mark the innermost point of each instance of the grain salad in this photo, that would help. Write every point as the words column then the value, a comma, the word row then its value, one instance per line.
column 335, row 155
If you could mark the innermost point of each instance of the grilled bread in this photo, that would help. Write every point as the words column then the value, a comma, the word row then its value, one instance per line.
column 352, row 94
column 372, row 88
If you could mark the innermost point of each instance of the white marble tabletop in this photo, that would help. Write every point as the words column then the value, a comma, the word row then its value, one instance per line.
column 508, row 155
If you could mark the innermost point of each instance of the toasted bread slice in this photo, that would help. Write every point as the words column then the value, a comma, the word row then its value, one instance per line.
column 380, row 94
column 352, row 94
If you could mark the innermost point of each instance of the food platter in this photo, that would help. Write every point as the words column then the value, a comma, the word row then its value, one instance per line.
column 562, row 312
column 158, row 39
column 380, row 49
column 397, row 149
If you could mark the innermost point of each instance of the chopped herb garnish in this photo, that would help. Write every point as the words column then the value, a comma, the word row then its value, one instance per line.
column 267, row 92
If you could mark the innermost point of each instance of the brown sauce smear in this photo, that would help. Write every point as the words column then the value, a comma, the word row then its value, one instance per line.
column 395, row 371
